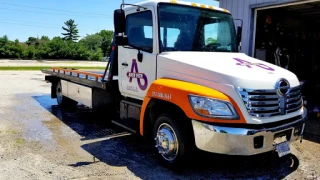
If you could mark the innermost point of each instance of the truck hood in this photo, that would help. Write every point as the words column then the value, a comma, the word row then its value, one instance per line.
column 236, row 69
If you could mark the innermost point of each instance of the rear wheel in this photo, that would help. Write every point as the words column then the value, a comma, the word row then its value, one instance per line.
column 170, row 141
column 62, row 100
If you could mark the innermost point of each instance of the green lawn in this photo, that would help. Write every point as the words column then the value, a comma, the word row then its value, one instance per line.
column 36, row 68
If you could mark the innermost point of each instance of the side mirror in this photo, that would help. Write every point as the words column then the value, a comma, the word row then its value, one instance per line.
column 119, row 21
column 121, row 40
column 239, row 35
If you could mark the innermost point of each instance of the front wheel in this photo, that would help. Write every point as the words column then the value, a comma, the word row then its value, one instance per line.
column 62, row 100
column 170, row 141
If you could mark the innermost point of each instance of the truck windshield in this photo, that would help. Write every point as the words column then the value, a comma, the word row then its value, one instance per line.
column 184, row 28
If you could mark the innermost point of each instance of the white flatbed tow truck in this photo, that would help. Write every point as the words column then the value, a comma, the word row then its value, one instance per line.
column 175, row 75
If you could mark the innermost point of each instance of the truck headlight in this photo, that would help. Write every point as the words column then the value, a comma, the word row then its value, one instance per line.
column 214, row 108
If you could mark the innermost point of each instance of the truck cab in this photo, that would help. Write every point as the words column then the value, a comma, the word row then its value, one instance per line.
column 159, row 30
column 177, row 77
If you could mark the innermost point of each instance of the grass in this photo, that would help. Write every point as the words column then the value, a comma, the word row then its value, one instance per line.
column 36, row 68
column 10, row 131
column 57, row 62
column 20, row 141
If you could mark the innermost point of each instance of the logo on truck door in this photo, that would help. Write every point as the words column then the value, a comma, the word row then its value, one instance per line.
column 142, row 79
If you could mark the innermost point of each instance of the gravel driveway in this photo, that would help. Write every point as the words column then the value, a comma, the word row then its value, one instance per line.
column 39, row 141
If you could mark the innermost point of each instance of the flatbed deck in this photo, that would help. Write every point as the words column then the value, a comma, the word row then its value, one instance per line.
column 92, row 78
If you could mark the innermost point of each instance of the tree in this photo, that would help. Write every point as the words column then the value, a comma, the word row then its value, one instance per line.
column 45, row 38
column 71, row 31
column 98, row 41
column 91, row 41
column 57, row 48
column 3, row 40
column 91, row 47
column 32, row 41
column 211, row 40
column 107, row 36
column 96, row 55
column 30, row 52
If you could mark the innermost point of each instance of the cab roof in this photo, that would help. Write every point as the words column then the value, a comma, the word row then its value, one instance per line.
column 155, row 2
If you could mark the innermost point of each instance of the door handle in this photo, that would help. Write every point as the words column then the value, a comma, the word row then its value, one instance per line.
column 124, row 64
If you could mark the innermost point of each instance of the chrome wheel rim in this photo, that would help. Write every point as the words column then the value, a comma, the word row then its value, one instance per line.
column 167, row 142
column 59, row 93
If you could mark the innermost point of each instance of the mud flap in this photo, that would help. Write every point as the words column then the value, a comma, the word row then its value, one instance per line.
column 54, row 80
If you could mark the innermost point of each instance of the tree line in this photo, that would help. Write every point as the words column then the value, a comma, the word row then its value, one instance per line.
column 91, row 47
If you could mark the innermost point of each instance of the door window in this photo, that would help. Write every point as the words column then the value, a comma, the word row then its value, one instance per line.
column 139, row 30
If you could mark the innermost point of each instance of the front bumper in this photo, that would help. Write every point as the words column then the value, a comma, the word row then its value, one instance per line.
column 243, row 141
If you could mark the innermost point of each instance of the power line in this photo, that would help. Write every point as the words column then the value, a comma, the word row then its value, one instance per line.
column 55, row 13
column 28, row 22
column 53, row 9
column 30, row 25
column 50, row 27
column 36, row 23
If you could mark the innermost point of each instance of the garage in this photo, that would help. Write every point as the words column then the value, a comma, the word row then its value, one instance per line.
column 289, row 36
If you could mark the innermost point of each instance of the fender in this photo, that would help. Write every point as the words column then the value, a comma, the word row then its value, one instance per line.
column 176, row 92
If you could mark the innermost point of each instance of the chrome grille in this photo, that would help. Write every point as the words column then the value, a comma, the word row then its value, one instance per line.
column 267, row 103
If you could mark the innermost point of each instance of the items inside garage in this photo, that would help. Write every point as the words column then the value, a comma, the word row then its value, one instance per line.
column 289, row 37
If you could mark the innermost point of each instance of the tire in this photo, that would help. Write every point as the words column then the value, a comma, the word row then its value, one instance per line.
column 167, row 126
column 63, row 101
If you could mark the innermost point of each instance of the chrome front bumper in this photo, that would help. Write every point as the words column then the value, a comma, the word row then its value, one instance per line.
column 242, row 141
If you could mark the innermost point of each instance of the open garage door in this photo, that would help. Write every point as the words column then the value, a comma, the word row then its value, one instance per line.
column 289, row 36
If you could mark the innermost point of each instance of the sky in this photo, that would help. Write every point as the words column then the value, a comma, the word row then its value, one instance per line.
column 20, row 19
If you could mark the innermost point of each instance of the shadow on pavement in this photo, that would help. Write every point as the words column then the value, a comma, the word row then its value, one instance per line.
column 311, row 137
column 81, row 164
column 312, row 130
column 85, row 122
column 132, row 152
column 113, row 146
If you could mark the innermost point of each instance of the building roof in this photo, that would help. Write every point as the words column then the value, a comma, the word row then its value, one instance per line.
column 155, row 2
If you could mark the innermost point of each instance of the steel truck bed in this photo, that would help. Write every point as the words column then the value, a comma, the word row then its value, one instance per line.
column 86, row 87
column 88, row 78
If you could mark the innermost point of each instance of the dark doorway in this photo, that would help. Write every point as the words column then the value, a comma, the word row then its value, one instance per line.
column 289, row 37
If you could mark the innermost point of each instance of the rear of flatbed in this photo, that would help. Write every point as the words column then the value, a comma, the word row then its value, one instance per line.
column 87, row 78
column 89, row 88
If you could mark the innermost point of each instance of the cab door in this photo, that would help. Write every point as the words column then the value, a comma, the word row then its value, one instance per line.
column 136, row 74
